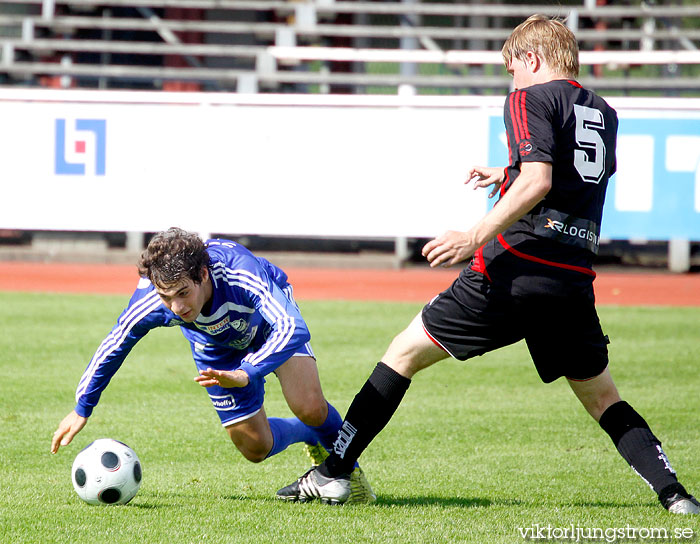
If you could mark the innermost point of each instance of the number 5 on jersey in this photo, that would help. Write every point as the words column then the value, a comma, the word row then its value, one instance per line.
column 589, row 159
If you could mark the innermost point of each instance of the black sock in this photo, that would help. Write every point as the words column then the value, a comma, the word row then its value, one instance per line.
column 638, row 446
column 368, row 414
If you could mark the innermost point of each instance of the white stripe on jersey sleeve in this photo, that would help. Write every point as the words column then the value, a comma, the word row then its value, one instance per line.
column 128, row 316
column 115, row 339
column 270, row 308
column 220, row 243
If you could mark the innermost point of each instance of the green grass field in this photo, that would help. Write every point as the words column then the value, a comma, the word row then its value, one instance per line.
column 476, row 453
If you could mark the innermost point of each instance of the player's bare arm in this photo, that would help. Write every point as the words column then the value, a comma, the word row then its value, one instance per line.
column 71, row 425
column 222, row 378
column 531, row 186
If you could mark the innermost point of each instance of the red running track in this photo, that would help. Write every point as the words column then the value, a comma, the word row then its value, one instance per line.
column 410, row 285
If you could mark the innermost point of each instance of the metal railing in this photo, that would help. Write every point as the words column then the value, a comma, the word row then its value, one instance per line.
column 297, row 52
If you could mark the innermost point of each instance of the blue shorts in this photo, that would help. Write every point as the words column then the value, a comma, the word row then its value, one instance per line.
column 234, row 404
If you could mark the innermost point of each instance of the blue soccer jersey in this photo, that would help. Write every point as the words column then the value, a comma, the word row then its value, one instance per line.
column 252, row 323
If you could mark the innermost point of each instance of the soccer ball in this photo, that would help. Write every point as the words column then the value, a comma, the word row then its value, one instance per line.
column 106, row 472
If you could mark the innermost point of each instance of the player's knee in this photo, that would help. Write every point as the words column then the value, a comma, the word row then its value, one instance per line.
column 254, row 450
column 412, row 351
column 401, row 350
column 255, row 457
column 313, row 412
column 255, row 453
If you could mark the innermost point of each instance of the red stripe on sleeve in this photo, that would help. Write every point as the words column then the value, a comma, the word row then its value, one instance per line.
column 514, row 118
column 516, row 107
column 523, row 111
column 519, row 115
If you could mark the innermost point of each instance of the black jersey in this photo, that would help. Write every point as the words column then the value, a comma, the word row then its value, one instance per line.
column 575, row 130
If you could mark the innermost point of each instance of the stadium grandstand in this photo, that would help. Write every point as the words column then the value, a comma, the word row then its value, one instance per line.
column 326, row 46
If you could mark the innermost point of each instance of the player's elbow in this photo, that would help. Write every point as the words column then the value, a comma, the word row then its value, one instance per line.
column 538, row 179
column 542, row 182
column 542, row 189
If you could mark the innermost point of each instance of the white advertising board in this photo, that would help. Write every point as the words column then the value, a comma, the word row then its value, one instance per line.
column 362, row 171
column 307, row 165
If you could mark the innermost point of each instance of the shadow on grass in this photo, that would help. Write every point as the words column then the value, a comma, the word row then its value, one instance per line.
column 617, row 504
column 388, row 501
column 447, row 502
column 150, row 506
column 419, row 501
column 174, row 500
column 181, row 499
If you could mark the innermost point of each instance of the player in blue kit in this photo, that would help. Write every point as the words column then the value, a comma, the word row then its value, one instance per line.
column 530, row 275
column 238, row 313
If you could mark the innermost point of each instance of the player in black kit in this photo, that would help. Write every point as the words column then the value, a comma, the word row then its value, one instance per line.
column 531, row 272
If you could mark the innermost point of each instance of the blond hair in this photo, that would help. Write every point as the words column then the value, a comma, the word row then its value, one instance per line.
column 550, row 39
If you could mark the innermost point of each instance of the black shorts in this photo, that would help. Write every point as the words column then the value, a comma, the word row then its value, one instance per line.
column 563, row 333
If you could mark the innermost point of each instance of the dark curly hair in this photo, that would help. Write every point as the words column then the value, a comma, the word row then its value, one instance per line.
column 173, row 255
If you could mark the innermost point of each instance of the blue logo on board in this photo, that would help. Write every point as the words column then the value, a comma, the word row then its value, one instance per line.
column 73, row 144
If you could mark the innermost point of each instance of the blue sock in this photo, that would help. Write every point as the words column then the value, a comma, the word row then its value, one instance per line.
column 287, row 431
column 327, row 432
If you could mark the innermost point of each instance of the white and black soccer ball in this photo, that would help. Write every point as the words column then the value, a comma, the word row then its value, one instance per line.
column 106, row 472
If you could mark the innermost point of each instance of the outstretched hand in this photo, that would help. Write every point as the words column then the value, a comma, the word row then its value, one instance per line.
column 71, row 425
column 222, row 378
column 483, row 176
